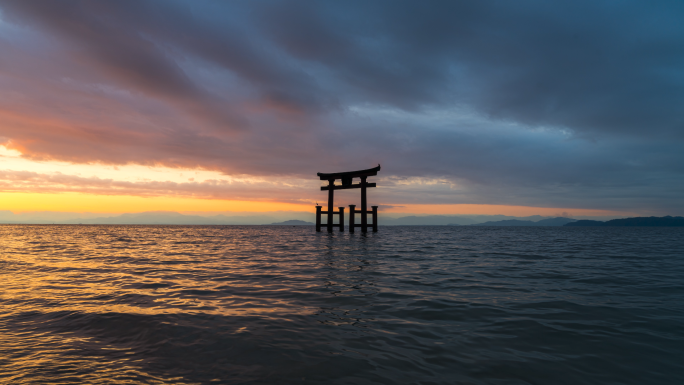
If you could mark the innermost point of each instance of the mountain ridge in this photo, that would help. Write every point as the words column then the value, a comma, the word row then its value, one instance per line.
column 558, row 221
column 666, row 221
column 293, row 222
column 256, row 218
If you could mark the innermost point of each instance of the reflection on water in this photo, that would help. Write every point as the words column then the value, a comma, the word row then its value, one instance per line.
column 260, row 304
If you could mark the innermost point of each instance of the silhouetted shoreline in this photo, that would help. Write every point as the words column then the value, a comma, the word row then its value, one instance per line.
column 293, row 222
column 558, row 221
column 667, row 221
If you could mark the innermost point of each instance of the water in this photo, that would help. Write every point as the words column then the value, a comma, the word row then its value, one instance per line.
column 281, row 305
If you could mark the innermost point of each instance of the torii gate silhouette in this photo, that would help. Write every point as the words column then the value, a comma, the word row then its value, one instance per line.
column 347, row 178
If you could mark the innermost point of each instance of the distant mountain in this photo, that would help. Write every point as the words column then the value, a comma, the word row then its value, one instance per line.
column 585, row 222
column 448, row 220
column 667, row 221
column 174, row 218
column 426, row 220
column 148, row 218
column 258, row 218
column 152, row 218
column 294, row 222
column 507, row 222
column 559, row 221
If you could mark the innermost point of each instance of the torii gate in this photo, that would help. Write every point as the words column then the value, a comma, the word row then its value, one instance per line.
column 346, row 178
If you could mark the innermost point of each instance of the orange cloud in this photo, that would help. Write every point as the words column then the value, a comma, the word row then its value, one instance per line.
column 246, row 190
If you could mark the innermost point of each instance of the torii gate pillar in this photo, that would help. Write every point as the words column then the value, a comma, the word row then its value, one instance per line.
column 347, row 179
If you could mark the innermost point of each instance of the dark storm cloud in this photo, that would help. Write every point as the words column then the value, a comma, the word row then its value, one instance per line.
column 133, row 41
column 518, row 167
column 585, row 65
column 102, row 36
column 546, row 103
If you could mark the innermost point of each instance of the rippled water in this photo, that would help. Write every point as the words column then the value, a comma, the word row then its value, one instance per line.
column 407, row 305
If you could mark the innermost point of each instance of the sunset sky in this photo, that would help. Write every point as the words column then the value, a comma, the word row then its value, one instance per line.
column 474, row 107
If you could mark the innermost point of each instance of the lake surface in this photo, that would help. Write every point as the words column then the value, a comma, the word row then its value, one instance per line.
column 286, row 305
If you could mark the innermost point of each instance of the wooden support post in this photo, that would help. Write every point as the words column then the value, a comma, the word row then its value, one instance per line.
column 318, row 218
column 375, row 219
column 341, row 218
column 352, row 219
column 364, row 208
column 331, row 183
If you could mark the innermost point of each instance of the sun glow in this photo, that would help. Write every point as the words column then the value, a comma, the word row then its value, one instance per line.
column 32, row 185
column 10, row 159
column 77, row 202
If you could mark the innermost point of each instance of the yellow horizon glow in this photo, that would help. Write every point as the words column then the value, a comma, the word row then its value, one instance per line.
column 20, row 202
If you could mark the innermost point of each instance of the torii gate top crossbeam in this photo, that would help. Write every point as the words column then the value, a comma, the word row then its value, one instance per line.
column 349, row 174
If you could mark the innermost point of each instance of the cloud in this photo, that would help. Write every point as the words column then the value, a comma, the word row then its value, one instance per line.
column 280, row 191
column 585, row 65
column 534, row 103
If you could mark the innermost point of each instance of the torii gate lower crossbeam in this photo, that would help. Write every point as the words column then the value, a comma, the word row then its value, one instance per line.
column 347, row 179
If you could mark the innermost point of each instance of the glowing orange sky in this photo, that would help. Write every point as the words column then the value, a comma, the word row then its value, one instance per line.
column 48, row 188
column 181, row 109
column 78, row 202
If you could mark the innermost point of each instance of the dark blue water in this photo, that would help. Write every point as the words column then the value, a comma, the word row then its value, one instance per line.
column 285, row 305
